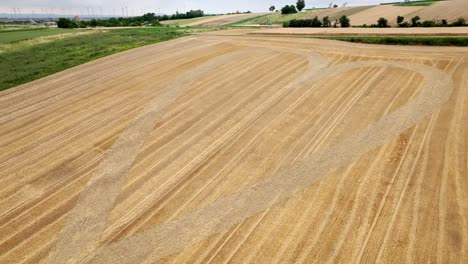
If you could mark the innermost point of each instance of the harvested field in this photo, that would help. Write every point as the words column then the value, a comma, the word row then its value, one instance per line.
column 450, row 10
column 446, row 31
column 183, row 22
column 336, row 13
column 390, row 12
column 222, row 20
column 241, row 150
column 277, row 18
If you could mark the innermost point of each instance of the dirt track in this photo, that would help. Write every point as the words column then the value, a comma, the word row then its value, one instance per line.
column 241, row 149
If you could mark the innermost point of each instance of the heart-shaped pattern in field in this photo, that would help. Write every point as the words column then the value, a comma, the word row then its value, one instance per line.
column 78, row 241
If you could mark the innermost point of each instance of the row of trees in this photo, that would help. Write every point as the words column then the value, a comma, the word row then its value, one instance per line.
column 416, row 22
column 187, row 15
column 343, row 21
column 149, row 19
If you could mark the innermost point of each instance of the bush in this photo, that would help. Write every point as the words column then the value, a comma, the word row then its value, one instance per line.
column 93, row 23
column 459, row 23
column 315, row 22
column 404, row 24
column 288, row 9
column 344, row 21
column 66, row 23
column 429, row 23
column 382, row 22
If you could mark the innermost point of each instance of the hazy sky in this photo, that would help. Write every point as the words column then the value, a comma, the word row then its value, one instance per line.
column 166, row 6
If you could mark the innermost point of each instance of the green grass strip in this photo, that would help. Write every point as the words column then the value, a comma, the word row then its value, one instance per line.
column 402, row 40
column 29, row 63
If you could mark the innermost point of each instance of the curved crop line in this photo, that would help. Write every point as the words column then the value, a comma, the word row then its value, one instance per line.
column 88, row 218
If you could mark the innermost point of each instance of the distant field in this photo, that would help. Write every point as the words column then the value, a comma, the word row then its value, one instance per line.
column 275, row 18
column 349, row 12
column 450, row 10
column 418, row 3
column 44, row 59
column 225, row 19
column 183, row 22
column 12, row 36
column 18, row 26
column 278, row 18
column 211, row 21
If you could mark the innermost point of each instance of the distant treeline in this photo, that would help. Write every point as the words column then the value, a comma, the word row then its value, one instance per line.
column 416, row 22
column 343, row 21
column 381, row 22
column 149, row 19
column 187, row 15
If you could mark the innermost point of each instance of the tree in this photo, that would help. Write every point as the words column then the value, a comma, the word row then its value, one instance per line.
column 300, row 5
column 93, row 23
column 272, row 8
column 66, row 23
column 344, row 21
column 288, row 9
column 326, row 21
column 400, row 20
column 382, row 22
column 415, row 21
column 335, row 6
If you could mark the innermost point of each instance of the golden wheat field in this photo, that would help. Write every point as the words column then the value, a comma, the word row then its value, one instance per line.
column 223, row 149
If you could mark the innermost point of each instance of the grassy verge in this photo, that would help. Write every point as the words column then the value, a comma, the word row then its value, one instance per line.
column 29, row 63
column 12, row 36
column 399, row 40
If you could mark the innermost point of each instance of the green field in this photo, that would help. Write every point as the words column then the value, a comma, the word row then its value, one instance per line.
column 400, row 40
column 13, row 36
column 9, row 26
column 32, row 62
